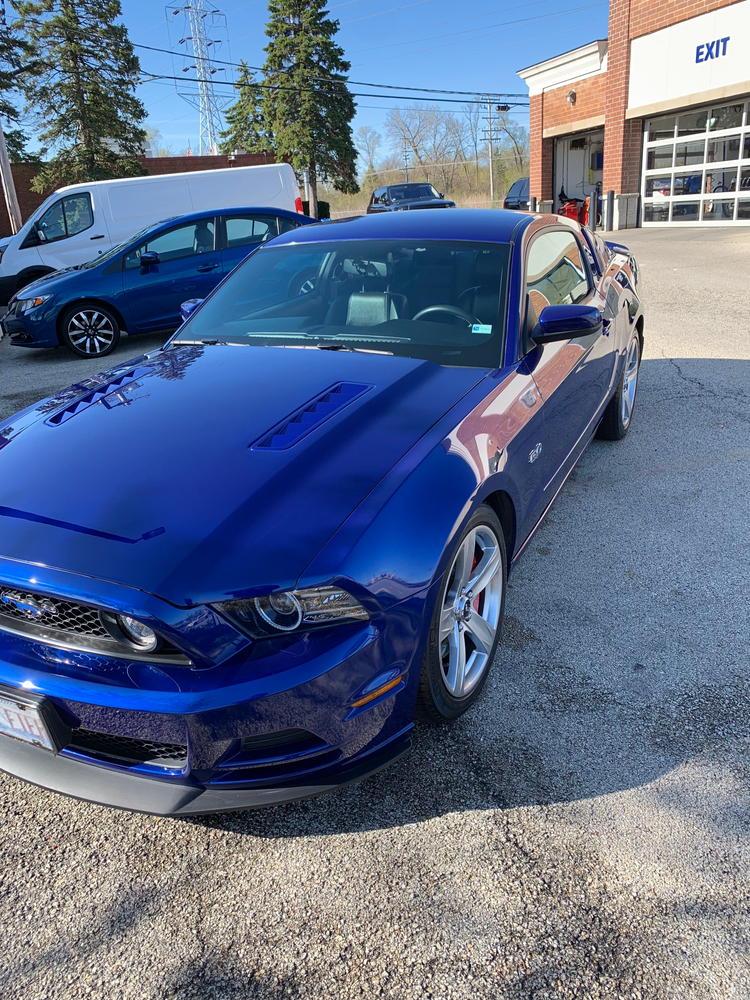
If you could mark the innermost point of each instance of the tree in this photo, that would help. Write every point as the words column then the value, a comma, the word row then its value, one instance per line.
column 84, row 97
column 307, row 106
column 247, row 126
column 368, row 143
column 156, row 143
column 17, row 61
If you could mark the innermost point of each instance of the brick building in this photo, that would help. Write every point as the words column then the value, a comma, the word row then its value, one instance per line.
column 658, row 113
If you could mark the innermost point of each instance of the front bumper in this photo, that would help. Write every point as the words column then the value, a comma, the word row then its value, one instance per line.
column 162, row 797
column 36, row 328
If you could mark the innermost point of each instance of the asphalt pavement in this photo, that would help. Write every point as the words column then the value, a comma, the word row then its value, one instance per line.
column 583, row 832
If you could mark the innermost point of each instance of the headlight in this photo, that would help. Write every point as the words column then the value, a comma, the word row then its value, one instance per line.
column 129, row 631
column 293, row 611
column 25, row 305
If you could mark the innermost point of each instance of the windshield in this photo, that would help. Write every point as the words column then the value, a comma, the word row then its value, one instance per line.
column 408, row 192
column 113, row 251
column 434, row 300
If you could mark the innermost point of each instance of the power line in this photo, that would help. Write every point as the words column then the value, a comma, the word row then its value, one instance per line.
column 356, row 83
column 312, row 90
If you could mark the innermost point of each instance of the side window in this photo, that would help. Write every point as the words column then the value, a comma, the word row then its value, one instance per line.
column 555, row 271
column 286, row 225
column 249, row 230
column 67, row 217
column 182, row 241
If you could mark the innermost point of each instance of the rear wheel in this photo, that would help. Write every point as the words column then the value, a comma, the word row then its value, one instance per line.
column 619, row 413
column 466, row 623
column 90, row 330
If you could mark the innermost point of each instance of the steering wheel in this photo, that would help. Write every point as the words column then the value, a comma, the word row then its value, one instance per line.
column 304, row 282
column 451, row 310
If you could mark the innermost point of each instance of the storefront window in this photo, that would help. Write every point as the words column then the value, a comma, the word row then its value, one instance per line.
column 720, row 180
column 687, row 184
column 660, row 128
column 745, row 180
column 695, row 122
column 688, row 153
column 729, row 117
column 722, row 149
column 743, row 209
column 658, row 213
column 718, row 211
column 746, row 150
column 659, row 157
column 659, row 185
column 685, row 211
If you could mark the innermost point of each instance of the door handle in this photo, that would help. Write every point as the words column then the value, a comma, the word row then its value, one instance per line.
column 99, row 237
column 207, row 267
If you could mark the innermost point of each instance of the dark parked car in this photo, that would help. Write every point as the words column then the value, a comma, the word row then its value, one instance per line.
column 518, row 196
column 403, row 197
column 233, row 568
column 139, row 285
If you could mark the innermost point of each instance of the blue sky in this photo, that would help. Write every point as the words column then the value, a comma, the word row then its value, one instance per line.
column 424, row 43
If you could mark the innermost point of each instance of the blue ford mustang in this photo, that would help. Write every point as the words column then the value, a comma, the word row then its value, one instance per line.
column 139, row 285
column 232, row 569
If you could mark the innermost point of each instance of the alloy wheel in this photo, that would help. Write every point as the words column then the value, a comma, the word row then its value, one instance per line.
column 470, row 611
column 630, row 380
column 91, row 331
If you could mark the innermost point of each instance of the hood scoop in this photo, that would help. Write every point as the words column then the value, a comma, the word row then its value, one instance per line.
column 310, row 416
column 102, row 390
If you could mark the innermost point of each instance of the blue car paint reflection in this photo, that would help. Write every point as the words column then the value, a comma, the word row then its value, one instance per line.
column 187, row 514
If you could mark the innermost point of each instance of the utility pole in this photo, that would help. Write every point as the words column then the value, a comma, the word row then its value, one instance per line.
column 489, row 145
column 407, row 154
column 9, row 187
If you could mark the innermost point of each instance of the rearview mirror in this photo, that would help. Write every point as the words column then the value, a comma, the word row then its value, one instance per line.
column 564, row 322
column 188, row 307
column 148, row 258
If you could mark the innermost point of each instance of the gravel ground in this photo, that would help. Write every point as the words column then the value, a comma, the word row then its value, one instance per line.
column 582, row 833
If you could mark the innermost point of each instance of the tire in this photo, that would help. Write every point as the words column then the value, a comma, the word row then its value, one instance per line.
column 619, row 413
column 90, row 330
column 445, row 692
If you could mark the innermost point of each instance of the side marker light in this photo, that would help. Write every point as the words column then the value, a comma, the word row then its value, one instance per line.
column 378, row 691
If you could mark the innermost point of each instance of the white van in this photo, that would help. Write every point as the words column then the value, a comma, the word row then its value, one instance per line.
column 80, row 221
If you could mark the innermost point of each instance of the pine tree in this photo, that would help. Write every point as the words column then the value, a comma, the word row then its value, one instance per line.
column 84, row 98
column 17, row 62
column 247, row 128
column 307, row 105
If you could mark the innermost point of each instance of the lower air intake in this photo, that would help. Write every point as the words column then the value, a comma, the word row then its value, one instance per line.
column 126, row 750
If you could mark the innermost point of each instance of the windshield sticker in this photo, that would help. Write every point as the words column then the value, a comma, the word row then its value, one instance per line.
column 484, row 328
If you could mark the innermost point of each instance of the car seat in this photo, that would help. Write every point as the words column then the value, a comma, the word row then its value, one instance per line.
column 203, row 239
column 482, row 301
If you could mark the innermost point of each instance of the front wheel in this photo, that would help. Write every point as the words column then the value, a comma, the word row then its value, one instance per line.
column 90, row 331
column 466, row 623
column 619, row 413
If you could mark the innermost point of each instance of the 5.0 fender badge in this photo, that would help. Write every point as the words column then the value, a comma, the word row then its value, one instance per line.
column 535, row 452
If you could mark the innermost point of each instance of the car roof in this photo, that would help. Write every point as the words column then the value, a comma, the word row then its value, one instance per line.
column 482, row 225
column 231, row 210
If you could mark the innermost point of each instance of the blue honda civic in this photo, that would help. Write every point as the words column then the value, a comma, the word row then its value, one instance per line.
column 138, row 286
column 233, row 570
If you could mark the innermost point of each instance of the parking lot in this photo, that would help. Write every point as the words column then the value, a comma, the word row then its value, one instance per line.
column 583, row 832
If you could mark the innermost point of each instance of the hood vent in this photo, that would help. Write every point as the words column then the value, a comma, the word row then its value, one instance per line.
column 310, row 416
column 83, row 402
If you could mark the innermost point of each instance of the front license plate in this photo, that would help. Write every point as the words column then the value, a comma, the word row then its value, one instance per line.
column 24, row 722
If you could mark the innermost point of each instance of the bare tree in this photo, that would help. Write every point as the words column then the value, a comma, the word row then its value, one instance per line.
column 368, row 142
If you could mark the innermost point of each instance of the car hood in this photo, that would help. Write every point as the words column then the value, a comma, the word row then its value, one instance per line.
column 177, row 474
column 50, row 284
column 426, row 203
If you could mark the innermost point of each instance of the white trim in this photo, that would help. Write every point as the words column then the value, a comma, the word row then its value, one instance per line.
column 570, row 67
column 571, row 128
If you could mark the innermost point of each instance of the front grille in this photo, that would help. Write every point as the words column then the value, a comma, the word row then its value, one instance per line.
column 172, row 756
column 72, row 626
column 62, row 615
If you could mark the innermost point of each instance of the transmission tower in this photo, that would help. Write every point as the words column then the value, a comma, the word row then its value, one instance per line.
column 203, row 35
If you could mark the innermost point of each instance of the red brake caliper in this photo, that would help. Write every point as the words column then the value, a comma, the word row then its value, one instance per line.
column 476, row 601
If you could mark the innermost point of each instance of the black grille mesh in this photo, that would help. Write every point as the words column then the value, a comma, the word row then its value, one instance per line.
column 173, row 755
column 62, row 615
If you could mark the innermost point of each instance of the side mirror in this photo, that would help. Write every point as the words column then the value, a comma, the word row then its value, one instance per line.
column 564, row 322
column 440, row 194
column 188, row 307
column 41, row 236
column 149, row 258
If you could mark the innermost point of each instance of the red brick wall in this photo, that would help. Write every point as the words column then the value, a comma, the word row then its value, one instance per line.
column 647, row 16
column 621, row 137
column 590, row 101
column 28, row 200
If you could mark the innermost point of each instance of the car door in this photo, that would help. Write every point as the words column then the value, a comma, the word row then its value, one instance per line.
column 189, row 268
column 243, row 232
column 574, row 376
column 68, row 233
